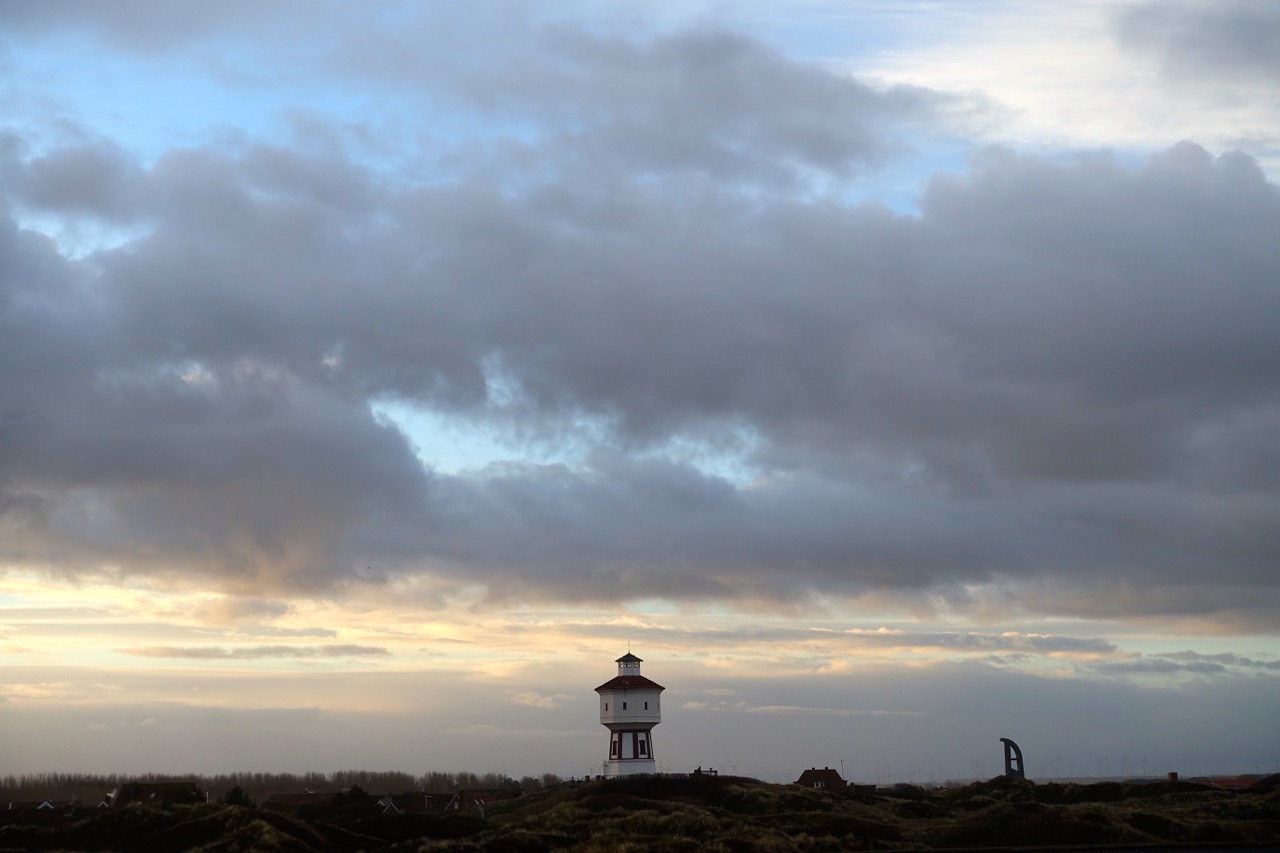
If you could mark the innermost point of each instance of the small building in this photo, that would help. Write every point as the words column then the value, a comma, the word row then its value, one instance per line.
column 821, row 778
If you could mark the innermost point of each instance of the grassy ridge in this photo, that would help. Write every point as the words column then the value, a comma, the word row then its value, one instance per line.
column 724, row 814
column 744, row 815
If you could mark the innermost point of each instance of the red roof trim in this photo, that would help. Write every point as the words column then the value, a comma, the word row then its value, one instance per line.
column 629, row 682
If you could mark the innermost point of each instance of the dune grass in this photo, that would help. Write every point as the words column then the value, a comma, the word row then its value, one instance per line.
column 717, row 814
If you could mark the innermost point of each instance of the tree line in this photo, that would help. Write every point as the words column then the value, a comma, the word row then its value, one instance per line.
column 90, row 789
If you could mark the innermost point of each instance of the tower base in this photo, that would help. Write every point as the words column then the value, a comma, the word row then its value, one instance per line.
column 630, row 767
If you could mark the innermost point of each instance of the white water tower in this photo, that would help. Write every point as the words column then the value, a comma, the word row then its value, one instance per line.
column 630, row 706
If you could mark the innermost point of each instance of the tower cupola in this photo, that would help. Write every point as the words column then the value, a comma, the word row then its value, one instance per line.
column 629, row 664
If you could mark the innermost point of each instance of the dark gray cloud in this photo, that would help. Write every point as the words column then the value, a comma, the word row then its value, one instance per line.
column 97, row 179
column 1134, row 597
column 1207, row 42
column 1056, row 372
column 1226, row 658
column 521, row 82
column 147, row 26
column 1187, row 663
column 708, row 103
column 1161, row 666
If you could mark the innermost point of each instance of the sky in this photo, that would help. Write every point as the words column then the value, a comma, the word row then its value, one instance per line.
column 890, row 378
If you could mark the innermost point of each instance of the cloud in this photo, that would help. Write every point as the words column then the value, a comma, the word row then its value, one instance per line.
column 97, row 178
column 335, row 650
column 145, row 25
column 488, row 732
column 1058, row 372
column 270, row 631
column 233, row 609
column 1186, row 662
column 704, row 103
column 964, row 710
column 579, row 92
column 826, row 712
column 976, row 641
column 261, row 265
column 855, row 643
column 1227, row 658
column 534, row 699
column 1230, row 41
column 77, row 692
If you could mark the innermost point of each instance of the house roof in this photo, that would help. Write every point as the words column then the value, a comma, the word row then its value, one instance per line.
column 826, row 775
column 630, row 682
column 33, row 805
column 629, row 658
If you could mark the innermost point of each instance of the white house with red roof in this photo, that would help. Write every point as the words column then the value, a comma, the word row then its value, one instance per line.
column 630, row 706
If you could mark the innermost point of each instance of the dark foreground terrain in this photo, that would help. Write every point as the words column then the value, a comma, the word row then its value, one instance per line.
column 715, row 814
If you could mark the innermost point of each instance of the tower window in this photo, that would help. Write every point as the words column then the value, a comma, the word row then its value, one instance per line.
column 606, row 706
column 644, row 746
column 624, row 706
column 646, row 706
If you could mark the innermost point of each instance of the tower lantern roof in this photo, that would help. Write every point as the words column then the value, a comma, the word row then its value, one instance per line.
column 629, row 677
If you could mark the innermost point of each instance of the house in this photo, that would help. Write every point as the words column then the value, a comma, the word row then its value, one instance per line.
column 467, row 800
column 52, row 813
column 410, row 802
column 51, row 806
column 823, row 779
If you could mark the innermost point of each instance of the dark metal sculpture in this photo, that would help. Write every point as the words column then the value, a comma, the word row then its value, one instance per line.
column 1012, row 757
